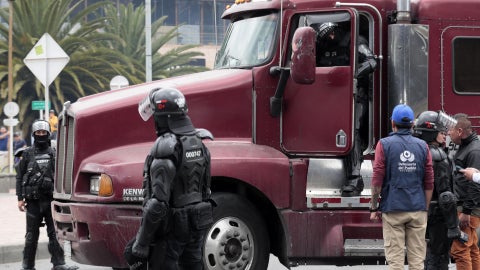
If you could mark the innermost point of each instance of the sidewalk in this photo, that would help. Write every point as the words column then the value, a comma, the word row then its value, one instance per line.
column 12, row 231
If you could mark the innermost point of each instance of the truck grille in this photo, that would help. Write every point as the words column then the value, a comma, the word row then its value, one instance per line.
column 65, row 146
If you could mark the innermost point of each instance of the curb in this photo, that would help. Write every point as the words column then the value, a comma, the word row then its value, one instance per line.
column 7, row 182
column 14, row 253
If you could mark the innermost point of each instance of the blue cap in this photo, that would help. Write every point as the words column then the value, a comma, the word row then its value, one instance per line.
column 402, row 115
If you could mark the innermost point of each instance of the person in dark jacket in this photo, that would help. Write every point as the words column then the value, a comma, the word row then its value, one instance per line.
column 403, row 178
column 34, row 189
column 442, row 225
column 466, row 255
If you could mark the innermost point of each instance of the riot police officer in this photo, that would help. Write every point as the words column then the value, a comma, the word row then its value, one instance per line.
column 442, row 214
column 34, row 189
column 333, row 49
column 176, row 208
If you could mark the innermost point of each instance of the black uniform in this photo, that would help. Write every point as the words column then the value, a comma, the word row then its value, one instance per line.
column 34, row 184
column 442, row 224
column 176, row 207
column 176, row 210
column 335, row 51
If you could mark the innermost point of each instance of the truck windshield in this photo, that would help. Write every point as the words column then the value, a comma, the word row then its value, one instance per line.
column 248, row 42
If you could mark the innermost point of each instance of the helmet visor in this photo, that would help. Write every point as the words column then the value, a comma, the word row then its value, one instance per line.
column 446, row 120
column 145, row 109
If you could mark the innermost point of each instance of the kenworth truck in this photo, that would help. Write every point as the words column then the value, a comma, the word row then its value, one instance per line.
column 282, row 128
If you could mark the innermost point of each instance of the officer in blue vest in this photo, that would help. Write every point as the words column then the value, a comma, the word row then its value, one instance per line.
column 403, row 178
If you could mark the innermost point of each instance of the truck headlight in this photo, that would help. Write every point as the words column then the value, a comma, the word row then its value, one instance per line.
column 101, row 185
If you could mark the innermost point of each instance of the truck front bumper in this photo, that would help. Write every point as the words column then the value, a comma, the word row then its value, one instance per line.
column 97, row 233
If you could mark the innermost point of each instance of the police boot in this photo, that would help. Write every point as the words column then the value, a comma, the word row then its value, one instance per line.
column 29, row 253
column 28, row 264
column 58, row 256
column 353, row 186
column 64, row 267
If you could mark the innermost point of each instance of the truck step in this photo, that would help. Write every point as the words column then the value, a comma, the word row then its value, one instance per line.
column 364, row 247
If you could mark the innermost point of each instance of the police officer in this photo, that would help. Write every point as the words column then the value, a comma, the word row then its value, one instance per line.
column 442, row 224
column 333, row 49
column 176, row 206
column 34, row 189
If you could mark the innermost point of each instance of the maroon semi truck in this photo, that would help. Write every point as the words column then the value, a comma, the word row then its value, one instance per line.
column 282, row 128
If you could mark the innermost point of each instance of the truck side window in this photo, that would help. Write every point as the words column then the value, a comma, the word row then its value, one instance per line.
column 333, row 37
column 466, row 56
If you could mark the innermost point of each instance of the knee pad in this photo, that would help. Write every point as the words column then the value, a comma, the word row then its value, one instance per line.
column 31, row 237
column 447, row 198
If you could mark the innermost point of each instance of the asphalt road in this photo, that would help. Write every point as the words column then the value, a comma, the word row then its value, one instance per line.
column 274, row 265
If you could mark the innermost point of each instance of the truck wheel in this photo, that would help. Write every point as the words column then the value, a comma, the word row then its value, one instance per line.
column 238, row 238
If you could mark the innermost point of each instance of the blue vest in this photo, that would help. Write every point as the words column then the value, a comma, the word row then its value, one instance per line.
column 405, row 159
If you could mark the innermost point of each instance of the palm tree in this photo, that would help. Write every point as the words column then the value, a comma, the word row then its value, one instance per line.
column 128, row 23
column 110, row 42
column 91, row 65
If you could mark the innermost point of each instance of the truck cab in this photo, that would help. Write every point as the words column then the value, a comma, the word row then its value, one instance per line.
column 283, row 125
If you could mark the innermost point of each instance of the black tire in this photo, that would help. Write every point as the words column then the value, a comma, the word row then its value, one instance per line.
column 238, row 238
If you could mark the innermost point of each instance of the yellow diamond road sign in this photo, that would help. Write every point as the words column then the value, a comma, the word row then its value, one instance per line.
column 46, row 59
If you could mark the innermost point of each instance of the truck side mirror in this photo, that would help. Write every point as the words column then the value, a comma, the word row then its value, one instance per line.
column 302, row 68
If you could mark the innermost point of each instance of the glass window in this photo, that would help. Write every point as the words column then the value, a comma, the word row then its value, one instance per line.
column 466, row 68
column 248, row 42
column 333, row 37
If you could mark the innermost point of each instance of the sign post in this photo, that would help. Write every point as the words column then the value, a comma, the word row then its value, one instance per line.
column 10, row 109
column 46, row 60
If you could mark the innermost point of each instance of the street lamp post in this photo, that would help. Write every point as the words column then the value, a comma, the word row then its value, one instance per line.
column 10, row 51
column 10, row 77
column 148, row 40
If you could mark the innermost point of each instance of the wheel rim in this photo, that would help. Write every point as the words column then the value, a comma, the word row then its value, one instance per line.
column 229, row 245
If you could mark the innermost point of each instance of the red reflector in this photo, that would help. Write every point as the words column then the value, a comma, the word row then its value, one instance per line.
column 326, row 200
column 365, row 200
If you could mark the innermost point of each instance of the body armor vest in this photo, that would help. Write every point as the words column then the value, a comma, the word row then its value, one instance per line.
column 190, row 180
column 38, row 180
column 442, row 169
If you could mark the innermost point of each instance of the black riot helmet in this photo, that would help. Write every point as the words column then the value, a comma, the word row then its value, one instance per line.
column 429, row 123
column 324, row 31
column 41, row 141
column 40, row 125
column 169, row 109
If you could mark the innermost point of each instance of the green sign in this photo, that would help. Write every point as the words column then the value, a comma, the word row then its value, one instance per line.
column 39, row 105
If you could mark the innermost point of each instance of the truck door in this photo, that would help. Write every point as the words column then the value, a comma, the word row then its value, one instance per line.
column 318, row 118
